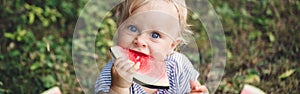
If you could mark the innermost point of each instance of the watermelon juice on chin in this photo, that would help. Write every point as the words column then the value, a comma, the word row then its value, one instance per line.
column 151, row 71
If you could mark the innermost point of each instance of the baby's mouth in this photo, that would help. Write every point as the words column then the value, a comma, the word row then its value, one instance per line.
column 154, row 56
column 136, row 51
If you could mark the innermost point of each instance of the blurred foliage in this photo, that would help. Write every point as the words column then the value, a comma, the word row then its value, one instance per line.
column 262, row 39
column 262, row 44
column 36, row 45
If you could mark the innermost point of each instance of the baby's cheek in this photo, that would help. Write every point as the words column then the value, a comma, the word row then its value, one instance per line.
column 123, row 44
column 124, row 41
column 158, row 53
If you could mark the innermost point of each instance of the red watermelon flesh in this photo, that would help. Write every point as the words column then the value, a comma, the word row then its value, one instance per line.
column 250, row 89
column 136, row 56
column 151, row 72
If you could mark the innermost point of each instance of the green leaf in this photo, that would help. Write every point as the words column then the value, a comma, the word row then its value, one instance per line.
column 22, row 33
column 27, row 6
column 253, row 35
column 46, row 22
column 37, row 10
column 111, row 22
column 1, row 56
column 48, row 81
column 269, row 11
column 53, row 18
column 286, row 74
column 14, row 53
column 228, row 54
column 35, row 65
column 9, row 35
column 31, row 18
column 271, row 36
column 244, row 12
column 252, row 78
column 19, row 38
column 195, row 16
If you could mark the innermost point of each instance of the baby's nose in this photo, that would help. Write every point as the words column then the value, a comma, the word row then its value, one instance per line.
column 140, row 41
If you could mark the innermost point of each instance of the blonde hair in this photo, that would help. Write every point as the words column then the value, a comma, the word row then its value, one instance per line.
column 127, row 7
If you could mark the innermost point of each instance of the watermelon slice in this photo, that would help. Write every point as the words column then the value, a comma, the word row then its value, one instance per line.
column 53, row 90
column 151, row 73
column 249, row 89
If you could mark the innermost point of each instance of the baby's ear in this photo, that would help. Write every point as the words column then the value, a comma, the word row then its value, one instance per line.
column 175, row 43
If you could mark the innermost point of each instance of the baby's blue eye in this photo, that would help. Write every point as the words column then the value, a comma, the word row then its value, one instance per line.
column 132, row 28
column 155, row 35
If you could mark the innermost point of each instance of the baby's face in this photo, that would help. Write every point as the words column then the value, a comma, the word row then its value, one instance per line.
column 150, row 32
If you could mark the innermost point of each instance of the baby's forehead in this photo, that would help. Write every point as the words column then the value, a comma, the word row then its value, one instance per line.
column 164, row 6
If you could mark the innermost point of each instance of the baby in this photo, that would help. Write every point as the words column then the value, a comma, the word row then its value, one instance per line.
column 154, row 28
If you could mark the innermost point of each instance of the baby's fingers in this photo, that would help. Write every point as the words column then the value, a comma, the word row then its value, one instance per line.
column 194, row 84
column 134, row 67
column 119, row 62
column 137, row 65
column 203, row 88
column 197, row 88
column 129, row 67
column 123, row 68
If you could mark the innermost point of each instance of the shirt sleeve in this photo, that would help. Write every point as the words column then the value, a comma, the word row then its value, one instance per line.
column 186, row 72
column 104, row 80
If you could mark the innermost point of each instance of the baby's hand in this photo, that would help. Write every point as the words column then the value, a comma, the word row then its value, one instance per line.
column 197, row 88
column 122, row 73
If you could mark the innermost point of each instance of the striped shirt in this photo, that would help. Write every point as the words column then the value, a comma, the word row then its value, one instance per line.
column 179, row 69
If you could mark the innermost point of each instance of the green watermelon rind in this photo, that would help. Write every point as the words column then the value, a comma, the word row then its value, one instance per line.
column 157, row 84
